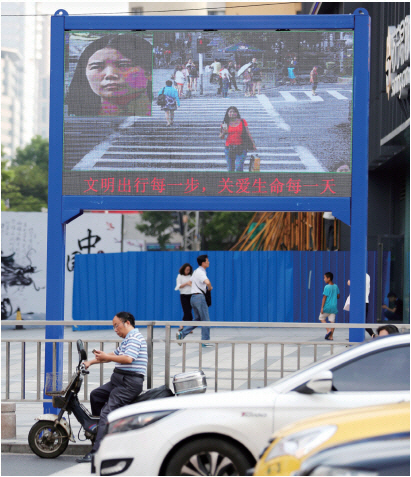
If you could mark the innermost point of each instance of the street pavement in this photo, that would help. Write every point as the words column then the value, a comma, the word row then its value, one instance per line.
column 293, row 131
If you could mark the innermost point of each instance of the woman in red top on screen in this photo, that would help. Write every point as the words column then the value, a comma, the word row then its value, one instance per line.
column 112, row 78
column 236, row 130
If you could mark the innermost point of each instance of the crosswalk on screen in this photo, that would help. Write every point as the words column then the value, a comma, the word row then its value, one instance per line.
column 208, row 113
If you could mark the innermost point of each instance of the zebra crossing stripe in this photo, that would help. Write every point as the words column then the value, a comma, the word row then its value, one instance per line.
column 313, row 98
column 309, row 161
column 266, row 103
column 336, row 94
column 288, row 96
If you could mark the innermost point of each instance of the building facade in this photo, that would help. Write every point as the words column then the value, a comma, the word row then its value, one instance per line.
column 389, row 135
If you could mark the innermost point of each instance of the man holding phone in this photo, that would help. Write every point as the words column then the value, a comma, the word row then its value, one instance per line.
column 126, row 382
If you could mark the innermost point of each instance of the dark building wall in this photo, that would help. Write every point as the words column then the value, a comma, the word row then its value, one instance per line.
column 389, row 163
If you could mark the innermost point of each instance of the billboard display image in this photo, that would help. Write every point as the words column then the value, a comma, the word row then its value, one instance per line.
column 232, row 113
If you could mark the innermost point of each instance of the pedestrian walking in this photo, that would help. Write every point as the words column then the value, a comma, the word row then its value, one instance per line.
column 193, row 75
column 329, row 307
column 248, row 86
column 314, row 80
column 216, row 65
column 179, row 78
column 291, row 74
column 183, row 285
column 238, row 141
column 199, row 286
column 256, row 78
column 367, row 301
column 169, row 102
column 232, row 70
column 225, row 79
column 126, row 382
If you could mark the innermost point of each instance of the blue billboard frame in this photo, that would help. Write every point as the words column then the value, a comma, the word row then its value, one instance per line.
column 63, row 209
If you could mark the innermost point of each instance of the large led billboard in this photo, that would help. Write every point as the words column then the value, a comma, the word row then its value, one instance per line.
column 241, row 113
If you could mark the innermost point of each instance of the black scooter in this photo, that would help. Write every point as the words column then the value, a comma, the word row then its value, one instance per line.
column 49, row 437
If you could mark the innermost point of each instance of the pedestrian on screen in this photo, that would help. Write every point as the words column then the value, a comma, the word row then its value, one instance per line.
column 329, row 303
column 314, row 80
column 184, row 287
column 236, row 130
column 172, row 101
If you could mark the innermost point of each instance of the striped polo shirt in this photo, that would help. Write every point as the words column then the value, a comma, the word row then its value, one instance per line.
column 135, row 346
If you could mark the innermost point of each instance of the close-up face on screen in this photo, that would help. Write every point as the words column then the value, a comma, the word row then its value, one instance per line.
column 214, row 113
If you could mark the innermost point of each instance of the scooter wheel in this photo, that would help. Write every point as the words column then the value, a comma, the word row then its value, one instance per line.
column 48, row 440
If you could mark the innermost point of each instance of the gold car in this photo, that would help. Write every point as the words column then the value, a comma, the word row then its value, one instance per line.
column 293, row 444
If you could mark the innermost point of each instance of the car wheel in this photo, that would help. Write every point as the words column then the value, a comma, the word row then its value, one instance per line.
column 208, row 457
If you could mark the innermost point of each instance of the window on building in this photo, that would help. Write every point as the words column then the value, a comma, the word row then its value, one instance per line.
column 137, row 10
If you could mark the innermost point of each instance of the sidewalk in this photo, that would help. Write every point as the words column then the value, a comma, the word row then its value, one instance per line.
column 27, row 412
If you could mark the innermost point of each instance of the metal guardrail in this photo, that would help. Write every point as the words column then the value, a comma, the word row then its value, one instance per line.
column 33, row 350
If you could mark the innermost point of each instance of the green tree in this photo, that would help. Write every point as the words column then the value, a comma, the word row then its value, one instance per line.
column 159, row 225
column 221, row 230
column 25, row 182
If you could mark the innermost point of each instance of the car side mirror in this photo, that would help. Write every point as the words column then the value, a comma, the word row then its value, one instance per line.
column 320, row 383
column 81, row 351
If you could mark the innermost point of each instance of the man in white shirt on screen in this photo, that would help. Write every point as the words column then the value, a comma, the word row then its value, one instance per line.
column 199, row 285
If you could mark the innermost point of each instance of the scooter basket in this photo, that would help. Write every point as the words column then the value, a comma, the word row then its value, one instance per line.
column 190, row 383
column 57, row 384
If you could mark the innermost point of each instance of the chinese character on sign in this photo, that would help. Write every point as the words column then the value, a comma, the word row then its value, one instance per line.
column 107, row 185
column 294, row 186
column 243, row 185
column 140, row 184
column 124, row 185
column 259, row 185
column 91, row 183
column 328, row 184
column 192, row 185
column 158, row 185
column 226, row 184
column 276, row 186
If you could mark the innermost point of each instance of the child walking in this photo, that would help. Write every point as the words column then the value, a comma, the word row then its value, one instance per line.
column 329, row 303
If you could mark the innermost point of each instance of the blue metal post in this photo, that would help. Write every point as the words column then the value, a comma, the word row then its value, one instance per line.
column 359, row 200
column 55, row 224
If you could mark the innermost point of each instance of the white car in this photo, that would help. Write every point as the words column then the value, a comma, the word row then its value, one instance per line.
column 224, row 433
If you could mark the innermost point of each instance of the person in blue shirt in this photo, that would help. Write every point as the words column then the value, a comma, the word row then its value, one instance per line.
column 172, row 101
column 329, row 308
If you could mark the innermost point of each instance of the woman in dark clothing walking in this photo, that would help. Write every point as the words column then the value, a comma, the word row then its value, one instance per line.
column 184, row 287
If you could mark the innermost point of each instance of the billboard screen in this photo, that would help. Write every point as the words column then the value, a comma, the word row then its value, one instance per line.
column 212, row 113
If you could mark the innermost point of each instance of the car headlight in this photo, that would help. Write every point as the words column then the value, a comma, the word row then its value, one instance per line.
column 301, row 443
column 330, row 470
column 137, row 421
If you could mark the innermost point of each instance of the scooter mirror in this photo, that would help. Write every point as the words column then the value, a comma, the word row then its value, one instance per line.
column 81, row 350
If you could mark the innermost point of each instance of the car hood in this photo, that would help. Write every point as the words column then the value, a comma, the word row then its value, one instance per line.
column 253, row 398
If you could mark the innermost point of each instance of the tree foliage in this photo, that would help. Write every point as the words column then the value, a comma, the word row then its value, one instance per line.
column 159, row 225
column 218, row 230
column 24, row 183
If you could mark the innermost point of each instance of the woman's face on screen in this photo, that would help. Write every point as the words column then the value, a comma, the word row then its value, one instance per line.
column 112, row 76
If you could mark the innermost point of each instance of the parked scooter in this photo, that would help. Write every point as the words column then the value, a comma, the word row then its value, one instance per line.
column 49, row 437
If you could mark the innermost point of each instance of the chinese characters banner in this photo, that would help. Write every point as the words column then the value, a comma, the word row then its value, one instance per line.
column 225, row 113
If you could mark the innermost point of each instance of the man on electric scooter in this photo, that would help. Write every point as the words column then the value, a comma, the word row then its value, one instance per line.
column 126, row 382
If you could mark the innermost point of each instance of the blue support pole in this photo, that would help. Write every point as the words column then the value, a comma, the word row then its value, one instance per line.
column 55, row 223
column 359, row 196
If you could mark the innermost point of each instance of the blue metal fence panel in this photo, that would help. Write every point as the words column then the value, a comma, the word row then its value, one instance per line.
column 248, row 286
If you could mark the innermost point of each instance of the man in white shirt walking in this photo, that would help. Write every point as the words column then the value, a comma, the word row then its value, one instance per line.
column 199, row 285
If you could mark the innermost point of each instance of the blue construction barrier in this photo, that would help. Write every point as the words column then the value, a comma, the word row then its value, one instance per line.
column 248, row 286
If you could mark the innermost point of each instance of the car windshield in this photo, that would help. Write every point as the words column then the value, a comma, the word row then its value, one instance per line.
column 289, row 377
